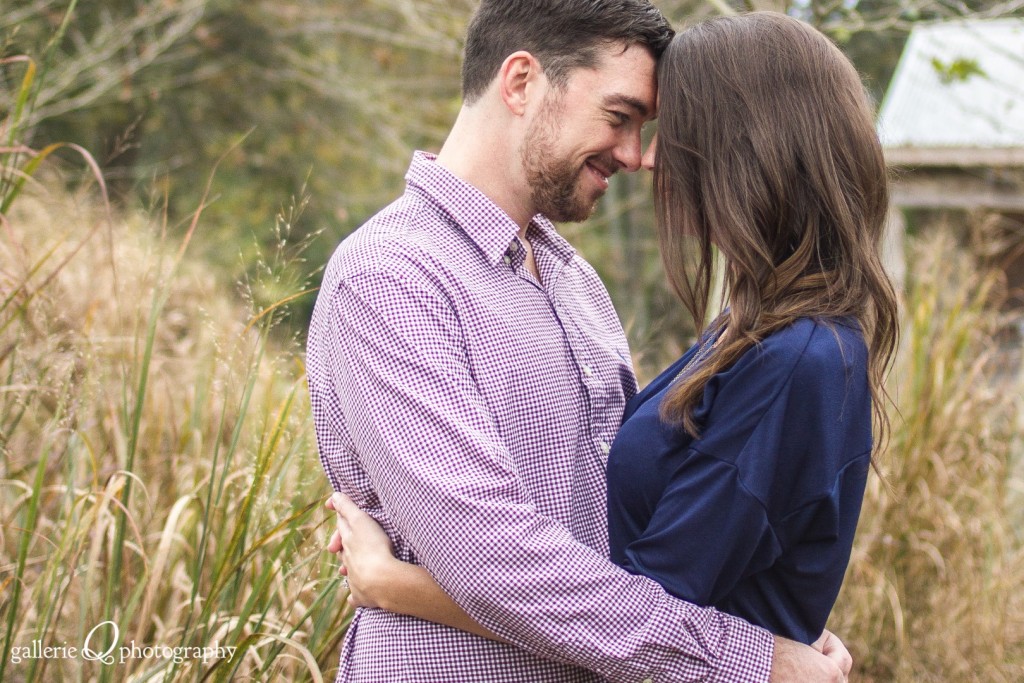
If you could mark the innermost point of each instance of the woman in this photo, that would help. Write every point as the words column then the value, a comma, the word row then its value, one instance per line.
column 737, row 477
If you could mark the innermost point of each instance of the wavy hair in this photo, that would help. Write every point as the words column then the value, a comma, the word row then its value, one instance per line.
column 767, row 151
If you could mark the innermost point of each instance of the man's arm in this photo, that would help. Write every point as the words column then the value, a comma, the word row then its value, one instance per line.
column 443, row 476
column 377, row 579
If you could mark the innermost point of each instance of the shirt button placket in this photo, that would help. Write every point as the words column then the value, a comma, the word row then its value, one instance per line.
column 590, row 383
column 511, row 252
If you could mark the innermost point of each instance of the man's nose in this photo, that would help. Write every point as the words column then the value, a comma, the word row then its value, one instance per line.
column 628, row 153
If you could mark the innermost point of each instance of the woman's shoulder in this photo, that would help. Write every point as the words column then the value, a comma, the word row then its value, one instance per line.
column 817, row 361
column 812, row 405
column 814, row 346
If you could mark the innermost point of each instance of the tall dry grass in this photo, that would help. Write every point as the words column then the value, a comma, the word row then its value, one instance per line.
column 158, row 478
column 158, row 471
column 935, row 589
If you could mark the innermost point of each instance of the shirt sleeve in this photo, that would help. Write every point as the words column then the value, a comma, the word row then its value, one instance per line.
column 428, row 443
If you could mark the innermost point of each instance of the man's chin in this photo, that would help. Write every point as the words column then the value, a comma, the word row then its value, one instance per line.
column 574, row 215
column 575, row 209
column 585, row 205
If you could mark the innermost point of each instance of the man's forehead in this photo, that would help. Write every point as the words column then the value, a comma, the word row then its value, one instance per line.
column 630, row 75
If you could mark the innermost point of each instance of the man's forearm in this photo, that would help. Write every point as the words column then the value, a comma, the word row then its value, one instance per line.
column 551, row 596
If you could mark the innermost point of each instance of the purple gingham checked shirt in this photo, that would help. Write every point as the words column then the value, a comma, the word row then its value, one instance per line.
column 470, row 408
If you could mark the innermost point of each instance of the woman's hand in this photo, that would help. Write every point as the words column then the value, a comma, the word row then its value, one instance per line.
column 365, row 551
column 833, row 648
column 376, row 578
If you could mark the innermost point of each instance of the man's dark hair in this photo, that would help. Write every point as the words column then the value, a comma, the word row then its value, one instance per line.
column 562, row 34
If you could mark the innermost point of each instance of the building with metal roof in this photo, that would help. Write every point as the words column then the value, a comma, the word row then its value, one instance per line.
column 953, row 116
column 952, row 126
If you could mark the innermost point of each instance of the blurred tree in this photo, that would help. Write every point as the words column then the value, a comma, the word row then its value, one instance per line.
column 332, row 98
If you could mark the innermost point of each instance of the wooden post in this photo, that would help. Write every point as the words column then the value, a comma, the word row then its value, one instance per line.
column 893, row 257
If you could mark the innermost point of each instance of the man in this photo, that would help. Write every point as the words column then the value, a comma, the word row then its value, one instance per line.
column 468, row 373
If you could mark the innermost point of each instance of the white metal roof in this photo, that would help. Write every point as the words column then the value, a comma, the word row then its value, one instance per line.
column 938, row 98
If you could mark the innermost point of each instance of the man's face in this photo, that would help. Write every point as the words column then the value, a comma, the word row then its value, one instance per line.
column 589, row 131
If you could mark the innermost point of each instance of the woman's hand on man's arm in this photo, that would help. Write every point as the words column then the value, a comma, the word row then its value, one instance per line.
column 377, row 579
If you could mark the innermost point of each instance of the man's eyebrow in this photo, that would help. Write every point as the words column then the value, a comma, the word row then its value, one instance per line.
column 627, row 101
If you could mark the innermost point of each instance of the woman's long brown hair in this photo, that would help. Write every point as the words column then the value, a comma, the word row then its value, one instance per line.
column 767, row 151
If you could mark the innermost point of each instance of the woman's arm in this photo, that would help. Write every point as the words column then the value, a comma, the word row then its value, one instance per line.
column 376, row 578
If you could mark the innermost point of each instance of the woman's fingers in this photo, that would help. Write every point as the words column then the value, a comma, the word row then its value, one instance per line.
column 364, row 549
column 832, row 647
column 346, row 509
column 335, row 545
column 360, row 533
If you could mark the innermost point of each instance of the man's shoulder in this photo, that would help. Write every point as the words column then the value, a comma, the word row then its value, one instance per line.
column 400, row 240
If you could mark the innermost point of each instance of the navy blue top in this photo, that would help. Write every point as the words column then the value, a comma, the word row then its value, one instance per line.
column 757, row 516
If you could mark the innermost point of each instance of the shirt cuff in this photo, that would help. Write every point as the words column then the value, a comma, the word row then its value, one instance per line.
column 748, row 654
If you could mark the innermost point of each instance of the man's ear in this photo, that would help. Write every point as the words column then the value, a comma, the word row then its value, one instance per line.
column 520, row 80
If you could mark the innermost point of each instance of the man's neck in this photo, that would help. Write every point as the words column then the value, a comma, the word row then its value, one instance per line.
column 480, row 154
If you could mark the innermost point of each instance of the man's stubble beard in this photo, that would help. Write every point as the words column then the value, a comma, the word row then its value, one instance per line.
column 554, row 182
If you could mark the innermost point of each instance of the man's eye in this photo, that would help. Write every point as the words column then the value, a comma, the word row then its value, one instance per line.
column 619, row 118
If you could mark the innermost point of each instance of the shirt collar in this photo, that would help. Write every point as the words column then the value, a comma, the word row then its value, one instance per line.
column 548, row 239
column 483, row 221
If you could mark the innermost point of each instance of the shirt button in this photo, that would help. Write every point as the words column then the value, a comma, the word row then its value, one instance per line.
column 587, row 371
column 605, row 448
column 508, row 260
column 514, row 247
column 648, row 680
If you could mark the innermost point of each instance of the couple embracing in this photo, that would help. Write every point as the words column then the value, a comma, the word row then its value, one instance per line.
column 514, row 508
